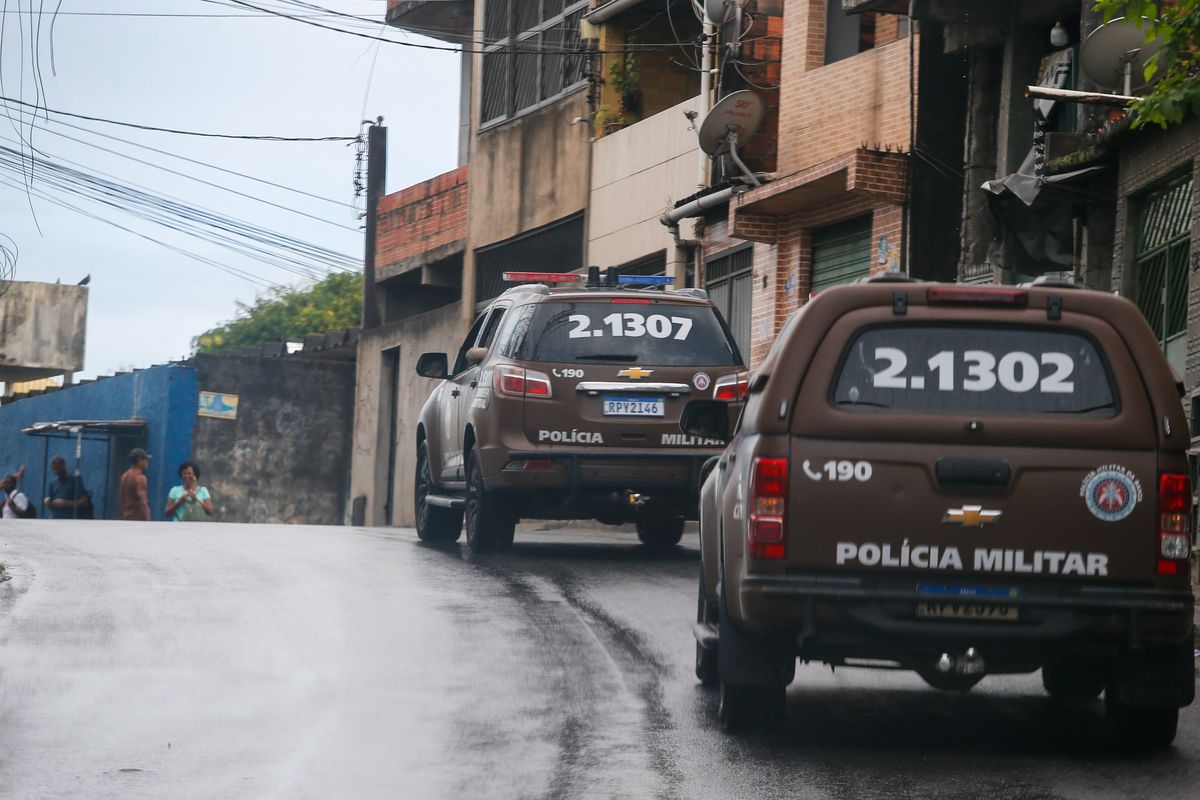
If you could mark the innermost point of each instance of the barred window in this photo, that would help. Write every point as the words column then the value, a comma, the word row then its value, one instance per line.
column 532, row 54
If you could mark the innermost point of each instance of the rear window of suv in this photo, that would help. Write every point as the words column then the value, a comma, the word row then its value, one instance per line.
column 974, row 369
column 617, row 331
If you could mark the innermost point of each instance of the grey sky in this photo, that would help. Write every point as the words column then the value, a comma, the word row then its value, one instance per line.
column 256, row 75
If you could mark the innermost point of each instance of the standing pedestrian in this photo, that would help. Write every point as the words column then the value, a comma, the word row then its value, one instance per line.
column 16, row 504
column 135, row 505
column 67, row 497
column 189, row 502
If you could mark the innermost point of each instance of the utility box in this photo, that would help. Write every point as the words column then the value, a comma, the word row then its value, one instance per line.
column 43, row 327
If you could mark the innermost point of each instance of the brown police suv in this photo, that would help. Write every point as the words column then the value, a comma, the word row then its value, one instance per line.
column 956, row 480
column 564, row 403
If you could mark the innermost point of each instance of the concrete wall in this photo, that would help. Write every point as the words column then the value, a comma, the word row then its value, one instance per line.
column 637, row 174
column 529, row 171
column 42, row 330
column 286, row 458
column 438, row 330
column 164, row 397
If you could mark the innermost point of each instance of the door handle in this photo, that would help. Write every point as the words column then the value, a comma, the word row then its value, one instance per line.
column 474, row 384
column 454, row 392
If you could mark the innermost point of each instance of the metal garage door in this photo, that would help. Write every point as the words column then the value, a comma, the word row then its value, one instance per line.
column 841, row 253
column 728, row 280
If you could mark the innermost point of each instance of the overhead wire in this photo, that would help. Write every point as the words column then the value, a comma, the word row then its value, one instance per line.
column 203, row 134
column 178, row 173
column 299, row 257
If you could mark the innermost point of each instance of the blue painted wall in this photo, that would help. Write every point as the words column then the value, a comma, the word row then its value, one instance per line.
column 163, row 397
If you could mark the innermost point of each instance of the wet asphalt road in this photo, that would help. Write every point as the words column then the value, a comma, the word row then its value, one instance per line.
column 225, row 661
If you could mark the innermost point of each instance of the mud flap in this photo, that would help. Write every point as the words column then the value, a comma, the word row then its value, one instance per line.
column 746, row 659
column 1157, row 678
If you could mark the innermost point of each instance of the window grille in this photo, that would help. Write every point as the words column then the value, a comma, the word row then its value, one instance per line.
column 532, row 54
column 1161, row 266
column 557, row 247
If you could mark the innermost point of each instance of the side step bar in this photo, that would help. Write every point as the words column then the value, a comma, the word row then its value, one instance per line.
column 442, row 501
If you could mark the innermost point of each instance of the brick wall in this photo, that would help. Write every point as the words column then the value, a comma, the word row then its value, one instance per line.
column 828, row 110
column 423, row 217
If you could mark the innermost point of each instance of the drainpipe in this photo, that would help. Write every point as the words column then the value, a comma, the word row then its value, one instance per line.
column 705, row 90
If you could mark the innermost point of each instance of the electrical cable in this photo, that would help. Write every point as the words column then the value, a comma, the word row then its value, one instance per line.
column 204, row 134
column 285, row 252
column 220, row 186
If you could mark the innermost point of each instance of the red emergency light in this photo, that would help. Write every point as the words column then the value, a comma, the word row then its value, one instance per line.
column 542, row 277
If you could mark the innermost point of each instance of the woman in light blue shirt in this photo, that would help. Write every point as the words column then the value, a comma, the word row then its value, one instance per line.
column 189, row 502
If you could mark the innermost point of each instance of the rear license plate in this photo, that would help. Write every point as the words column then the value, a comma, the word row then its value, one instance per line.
column 634, row 407
column 954, row 603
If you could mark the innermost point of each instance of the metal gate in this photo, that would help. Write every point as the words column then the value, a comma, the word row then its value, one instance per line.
column 729, row 280
column 841, row 253
column 1161, row 266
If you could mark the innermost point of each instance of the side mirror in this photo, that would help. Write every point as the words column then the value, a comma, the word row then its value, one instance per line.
column 708, row 419
column 476, row 355
column 433, row 365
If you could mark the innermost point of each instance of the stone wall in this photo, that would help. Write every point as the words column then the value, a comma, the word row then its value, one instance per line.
column 286, row 457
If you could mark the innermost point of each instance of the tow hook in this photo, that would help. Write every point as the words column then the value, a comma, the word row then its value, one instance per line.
column 634, row 499
column 969, row 663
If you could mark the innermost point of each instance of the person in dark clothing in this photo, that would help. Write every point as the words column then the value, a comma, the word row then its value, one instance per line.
column 67, row 497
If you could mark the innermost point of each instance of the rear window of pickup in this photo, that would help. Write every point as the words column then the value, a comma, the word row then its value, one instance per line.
column 966, row 368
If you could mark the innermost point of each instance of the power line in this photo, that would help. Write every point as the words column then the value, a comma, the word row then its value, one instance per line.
column 168, row 170
column 208, row 135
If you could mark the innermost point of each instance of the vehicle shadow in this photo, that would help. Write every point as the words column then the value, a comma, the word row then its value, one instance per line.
column 596, row 552
column 914, row 724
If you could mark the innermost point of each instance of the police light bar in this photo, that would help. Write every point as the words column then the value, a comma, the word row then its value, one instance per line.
column 541, row 277
column 645, row 280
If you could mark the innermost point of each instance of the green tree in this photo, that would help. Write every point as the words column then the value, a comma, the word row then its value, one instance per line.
column 1176, row 26
column 332, row 304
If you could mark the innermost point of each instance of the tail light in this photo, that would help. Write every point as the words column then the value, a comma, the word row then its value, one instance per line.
column 732, row 387
column 513, row 381
column 971, row 295
column 768, row 506
column 1174, row 523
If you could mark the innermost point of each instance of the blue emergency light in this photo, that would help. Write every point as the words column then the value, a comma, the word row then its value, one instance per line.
column 645, row 280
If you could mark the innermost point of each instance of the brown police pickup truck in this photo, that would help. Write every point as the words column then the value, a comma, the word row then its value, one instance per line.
column 564, row 403
column 960, row 481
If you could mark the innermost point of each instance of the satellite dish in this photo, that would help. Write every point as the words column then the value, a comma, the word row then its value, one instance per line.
column 717, row 10
column 1115, row 55
column 739, row 114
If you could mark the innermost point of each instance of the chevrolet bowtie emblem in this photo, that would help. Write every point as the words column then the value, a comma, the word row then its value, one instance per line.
column 635, row 373
column 971, row 516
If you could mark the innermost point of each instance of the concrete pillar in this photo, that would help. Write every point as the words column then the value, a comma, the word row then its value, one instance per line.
column 979, row 156
column 1014, row 131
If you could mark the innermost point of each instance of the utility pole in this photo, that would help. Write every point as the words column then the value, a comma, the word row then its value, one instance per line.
column 376, row 181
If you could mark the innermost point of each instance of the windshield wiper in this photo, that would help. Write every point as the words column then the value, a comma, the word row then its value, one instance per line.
column 862, row 403
column 1087, row 410
column 607, row 357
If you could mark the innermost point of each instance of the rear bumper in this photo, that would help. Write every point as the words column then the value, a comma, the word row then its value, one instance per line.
column 580, row 472
column 850, row 616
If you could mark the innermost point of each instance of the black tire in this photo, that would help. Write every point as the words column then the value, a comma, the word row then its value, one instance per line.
column 1071, row 682
column 435, row 525
column 490, row 523
column 706, row 658
column 1136, row 729
column 659, row 530
column 745, row 708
